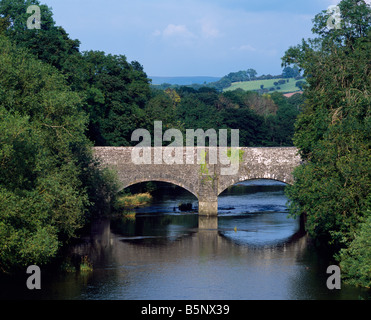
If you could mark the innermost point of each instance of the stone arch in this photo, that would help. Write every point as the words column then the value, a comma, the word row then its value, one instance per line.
column 224, row 186
column 172, row 181
column 275, row 163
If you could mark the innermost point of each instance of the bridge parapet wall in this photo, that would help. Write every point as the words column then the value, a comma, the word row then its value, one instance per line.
column 207, row 181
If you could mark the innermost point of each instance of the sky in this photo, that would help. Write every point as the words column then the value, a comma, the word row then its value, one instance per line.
column 191, row 37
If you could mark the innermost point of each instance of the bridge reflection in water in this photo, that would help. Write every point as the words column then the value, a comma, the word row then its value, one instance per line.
column 198, row 258
column 206, row 237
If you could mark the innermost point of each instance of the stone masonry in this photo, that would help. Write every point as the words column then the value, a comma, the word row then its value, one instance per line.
column 207, row 181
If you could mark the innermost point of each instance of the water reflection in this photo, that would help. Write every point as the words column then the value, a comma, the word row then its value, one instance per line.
column 185, row 264
column 244, row 253
column 250, row 251
column 201, row 264
column 207, row 223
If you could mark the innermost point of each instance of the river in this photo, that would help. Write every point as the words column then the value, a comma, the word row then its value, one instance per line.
column 252, row 250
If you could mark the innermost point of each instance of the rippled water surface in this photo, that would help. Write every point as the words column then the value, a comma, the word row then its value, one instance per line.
column 252, row 250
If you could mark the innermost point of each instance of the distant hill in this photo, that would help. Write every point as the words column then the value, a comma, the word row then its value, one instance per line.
column 183, row 81
column 287, row 82
column 284, row 85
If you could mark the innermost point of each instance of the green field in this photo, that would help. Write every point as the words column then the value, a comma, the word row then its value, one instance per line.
column 255, row 85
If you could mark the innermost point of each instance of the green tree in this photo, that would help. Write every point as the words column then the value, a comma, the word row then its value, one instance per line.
column 196, row 114
column 300, row 84
column 355, row 260
column 251, row 125
column 118, row 94
column 113, row 91
column 333, row 131
column 46, row 167
column 4, row 24
column 50, row 43
column 286, row 116
column 163, row 107
column 289, row 72
column 252, row 73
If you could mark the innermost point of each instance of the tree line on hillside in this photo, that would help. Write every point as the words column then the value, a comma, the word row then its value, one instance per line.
column 251, row 75
column 241, row 76
column 263, row 120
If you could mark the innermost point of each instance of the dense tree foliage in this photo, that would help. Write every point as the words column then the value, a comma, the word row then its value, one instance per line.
column 289, row 72
column 50, row 44
column 113, row 91
column 117, row 95
column 333, row 135
column 263, row 120
column 355, row 259
column 46, row 171
column 50, row 184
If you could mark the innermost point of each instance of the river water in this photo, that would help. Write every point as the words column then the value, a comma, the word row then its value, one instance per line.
column 252, row 250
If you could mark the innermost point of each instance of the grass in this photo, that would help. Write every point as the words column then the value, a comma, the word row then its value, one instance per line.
column 126, row 203
column 86, row 265
column 132, row 201
column 129, row 215
column 255, row 85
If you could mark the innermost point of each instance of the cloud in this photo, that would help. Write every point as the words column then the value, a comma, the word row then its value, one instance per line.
column 246, row 47
column 173, row 30
column 177, row 35
column 181, row 35
column 204, row 29
column 209, row 30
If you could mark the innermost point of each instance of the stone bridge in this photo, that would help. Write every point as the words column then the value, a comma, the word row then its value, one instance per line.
column 206, row 181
